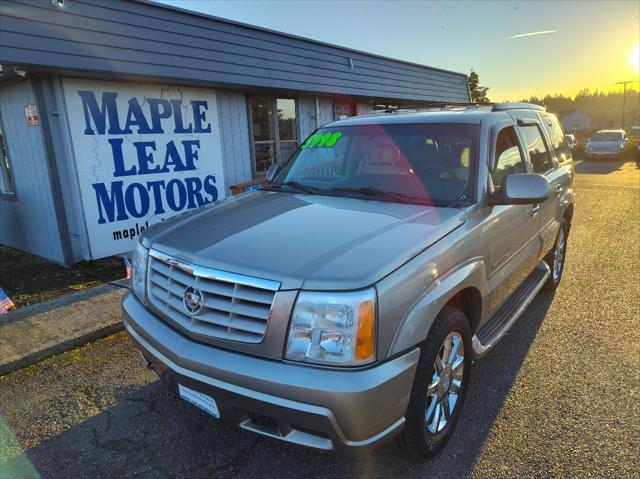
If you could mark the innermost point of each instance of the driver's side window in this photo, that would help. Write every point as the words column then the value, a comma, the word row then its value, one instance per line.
column 508, row 157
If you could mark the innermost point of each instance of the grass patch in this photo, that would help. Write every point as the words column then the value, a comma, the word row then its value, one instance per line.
column 29, row 279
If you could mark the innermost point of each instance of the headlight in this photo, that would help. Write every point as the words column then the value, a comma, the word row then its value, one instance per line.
column 333, row 328
column 139, row 271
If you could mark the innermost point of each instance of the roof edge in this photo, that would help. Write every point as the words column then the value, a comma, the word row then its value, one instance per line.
column 195, row 13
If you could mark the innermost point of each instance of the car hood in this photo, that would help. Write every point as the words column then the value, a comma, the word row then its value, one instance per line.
column 304, row 241
column 604, row 145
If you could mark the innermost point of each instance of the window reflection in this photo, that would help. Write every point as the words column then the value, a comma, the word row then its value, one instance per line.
column 537, row 149
column 275, row 135
column 508, row 157
column 261, row 114
column 286, row 118
column 558, row 140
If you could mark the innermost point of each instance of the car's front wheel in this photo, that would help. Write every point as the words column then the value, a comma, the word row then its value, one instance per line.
column 440, row 385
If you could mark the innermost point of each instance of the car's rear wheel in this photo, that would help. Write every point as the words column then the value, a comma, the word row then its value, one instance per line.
column 555, row 259
column 440, row 385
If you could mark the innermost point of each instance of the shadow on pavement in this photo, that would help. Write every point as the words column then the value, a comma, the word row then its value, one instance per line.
column 149, row 432
column 599, row 167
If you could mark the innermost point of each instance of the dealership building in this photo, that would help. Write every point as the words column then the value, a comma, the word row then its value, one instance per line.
column 116, row 115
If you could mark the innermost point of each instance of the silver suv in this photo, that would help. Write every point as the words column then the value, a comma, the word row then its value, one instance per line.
column 343, row 305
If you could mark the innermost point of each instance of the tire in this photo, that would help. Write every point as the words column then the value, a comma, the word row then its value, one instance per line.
column 558, row 253
column 422, row 436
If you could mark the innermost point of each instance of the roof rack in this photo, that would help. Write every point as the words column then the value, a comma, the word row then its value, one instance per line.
column 517, row 106
column 431, row 106
column 439, row 106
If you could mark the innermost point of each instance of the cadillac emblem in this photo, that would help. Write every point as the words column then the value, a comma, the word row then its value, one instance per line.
column 193, row 300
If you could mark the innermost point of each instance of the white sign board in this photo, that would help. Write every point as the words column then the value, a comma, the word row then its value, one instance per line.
column 31, row 114
column 143, row 153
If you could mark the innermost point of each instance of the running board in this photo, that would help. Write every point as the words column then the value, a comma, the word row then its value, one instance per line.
column 506, row 315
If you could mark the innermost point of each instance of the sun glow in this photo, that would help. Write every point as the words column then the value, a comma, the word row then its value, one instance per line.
column 634, row 57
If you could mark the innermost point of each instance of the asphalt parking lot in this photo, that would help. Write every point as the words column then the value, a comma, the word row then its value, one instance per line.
column 559, row 396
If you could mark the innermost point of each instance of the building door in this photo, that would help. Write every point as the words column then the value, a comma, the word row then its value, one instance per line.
column 275, row 131
column 343, row 110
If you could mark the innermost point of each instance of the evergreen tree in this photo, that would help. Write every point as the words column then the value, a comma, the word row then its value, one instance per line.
column 478, row 93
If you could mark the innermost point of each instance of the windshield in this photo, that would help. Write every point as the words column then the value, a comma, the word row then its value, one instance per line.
column 607, row 136
column 424, row 163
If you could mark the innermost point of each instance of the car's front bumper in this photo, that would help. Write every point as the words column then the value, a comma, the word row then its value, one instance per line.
column 317, row 407
column 603, row 154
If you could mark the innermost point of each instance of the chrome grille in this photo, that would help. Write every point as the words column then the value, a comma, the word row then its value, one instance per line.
column 235, row 307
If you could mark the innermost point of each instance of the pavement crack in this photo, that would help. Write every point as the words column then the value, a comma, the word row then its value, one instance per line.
column 150, row 402
column 109, row 421
column 242, row 457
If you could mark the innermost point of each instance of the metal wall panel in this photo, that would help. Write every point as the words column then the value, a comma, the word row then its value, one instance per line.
column 233, row 120
column 62, row 144
column 306, row 116
column 363, row 107
column 29, row 222
column 325, row 110
column 138, row 38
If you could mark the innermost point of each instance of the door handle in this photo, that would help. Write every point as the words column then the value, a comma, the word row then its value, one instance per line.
column 534, row 209
column 558, row 189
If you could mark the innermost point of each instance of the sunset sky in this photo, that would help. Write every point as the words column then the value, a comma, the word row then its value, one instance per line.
column 518, row 48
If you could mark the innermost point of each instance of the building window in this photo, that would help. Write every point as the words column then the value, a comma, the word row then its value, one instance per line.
column 343, row 110
column 6, row 180
column 275, row 130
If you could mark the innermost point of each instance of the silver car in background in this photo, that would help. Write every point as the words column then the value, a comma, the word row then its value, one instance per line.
column 606, row 144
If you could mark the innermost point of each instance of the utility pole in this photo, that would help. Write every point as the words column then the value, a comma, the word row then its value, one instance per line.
column 624, row 98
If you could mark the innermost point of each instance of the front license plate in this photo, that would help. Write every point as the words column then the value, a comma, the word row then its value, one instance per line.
column 204, row 402
column 253, row 187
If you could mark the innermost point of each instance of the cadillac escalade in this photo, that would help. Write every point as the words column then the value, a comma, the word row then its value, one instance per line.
column 343, row 304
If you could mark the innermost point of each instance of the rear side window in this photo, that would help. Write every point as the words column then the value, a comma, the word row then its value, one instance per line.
column 535, row 145
column 557, row 137
column 607, row 136
column 508, row 158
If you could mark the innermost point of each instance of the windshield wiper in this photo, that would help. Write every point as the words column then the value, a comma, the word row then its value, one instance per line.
column 381, row 194
column 296, row 186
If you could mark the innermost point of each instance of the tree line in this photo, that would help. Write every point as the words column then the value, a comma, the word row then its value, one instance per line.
column 604, row 109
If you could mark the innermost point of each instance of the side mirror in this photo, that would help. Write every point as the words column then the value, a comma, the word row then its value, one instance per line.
column 272, row 172
column 521, row 189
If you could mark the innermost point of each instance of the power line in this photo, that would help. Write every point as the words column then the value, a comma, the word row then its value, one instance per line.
column 624, row 98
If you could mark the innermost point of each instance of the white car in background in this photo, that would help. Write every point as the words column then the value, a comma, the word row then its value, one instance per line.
column 606, row 144
column 571, row 141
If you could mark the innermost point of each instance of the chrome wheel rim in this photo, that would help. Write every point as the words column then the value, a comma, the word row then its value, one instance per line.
column 558, row 255
column 446, row 383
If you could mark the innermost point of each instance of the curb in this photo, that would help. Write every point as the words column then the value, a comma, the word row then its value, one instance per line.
column 35, row 352
column 65, row 300
column 59, row 347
